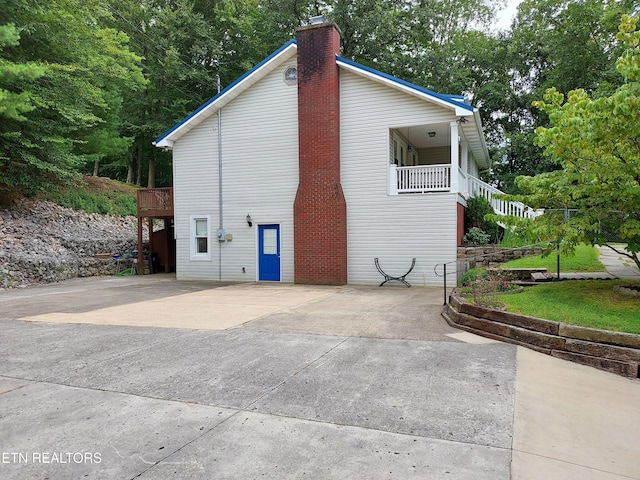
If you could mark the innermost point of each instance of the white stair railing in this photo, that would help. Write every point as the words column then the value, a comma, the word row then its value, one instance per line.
column 502, row 207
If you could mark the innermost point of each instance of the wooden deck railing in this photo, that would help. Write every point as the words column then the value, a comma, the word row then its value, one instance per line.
column 155, row 202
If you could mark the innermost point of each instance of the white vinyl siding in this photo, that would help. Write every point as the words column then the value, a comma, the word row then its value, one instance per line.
column 472, row 166
column 435, row 156
column 260, row 176
column 393, row 228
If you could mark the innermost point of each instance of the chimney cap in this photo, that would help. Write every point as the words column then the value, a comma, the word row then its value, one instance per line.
column 317, row 20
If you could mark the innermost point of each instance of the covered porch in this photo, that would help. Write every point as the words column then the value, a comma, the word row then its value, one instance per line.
column 444, row 157
column 435, row 157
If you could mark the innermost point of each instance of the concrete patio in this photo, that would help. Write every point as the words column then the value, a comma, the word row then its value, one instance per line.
column 148, row 377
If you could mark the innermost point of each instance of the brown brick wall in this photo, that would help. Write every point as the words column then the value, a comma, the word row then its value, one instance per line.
column 460, row 233
column 320, row 210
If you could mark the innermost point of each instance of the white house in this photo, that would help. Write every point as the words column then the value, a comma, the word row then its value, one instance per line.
column 310, row 166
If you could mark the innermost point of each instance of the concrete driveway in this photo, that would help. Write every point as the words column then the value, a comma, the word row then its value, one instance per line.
column 147, row 377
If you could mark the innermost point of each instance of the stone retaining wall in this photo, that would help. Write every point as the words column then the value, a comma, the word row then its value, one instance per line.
column 611, row 351
column 486, row 255
column 19, row 270
column 43, row 242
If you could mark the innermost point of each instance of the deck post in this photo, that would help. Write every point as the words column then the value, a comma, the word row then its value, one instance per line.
column 140, row 248
column 150, row 220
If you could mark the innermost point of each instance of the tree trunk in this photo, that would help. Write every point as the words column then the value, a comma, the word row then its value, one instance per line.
column 140, row 156
column 151, row 181
column 132, row 166
column 96, row 166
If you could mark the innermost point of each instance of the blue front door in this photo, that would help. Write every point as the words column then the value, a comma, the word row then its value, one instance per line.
column 269, row 252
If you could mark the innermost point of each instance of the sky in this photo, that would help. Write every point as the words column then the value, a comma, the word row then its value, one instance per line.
column 505, row 16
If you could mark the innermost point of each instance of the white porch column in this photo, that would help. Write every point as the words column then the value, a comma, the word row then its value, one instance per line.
column 393, row 180
column 455, row 157
column 464, row 166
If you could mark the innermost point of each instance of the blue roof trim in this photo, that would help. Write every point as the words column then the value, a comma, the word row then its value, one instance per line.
column 447, row 98
column 459, row 97
column 223, row 91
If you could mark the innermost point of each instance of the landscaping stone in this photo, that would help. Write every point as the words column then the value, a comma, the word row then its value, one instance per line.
column 621, row 368
column 599, row 350
column 542, row 277
column 453, row 318
column 524, row 321
column 628, row 290
column 487, row 255
column 614, row 352
column 482, row 324
column 43, row 242
column 602, row 336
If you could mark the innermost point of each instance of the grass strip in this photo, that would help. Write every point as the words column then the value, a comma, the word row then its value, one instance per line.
column 584, row 260
column 587, row 303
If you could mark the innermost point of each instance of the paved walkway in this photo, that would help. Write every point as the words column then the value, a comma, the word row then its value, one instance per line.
column 147, row 377
column 618, row 265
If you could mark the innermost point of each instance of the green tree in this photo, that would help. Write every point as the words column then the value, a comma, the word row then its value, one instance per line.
column 186, row 46
column 86, row 65
column 15, row 79
column 566, row 44
column 595, row 142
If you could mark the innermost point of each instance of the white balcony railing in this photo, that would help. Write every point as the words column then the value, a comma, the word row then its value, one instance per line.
column 420, row 179
column 437, row 178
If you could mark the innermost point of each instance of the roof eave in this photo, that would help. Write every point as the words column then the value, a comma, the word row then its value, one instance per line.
column 485, row 149
column 459, row 108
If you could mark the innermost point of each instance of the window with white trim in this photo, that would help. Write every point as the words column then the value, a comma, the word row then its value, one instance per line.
column 200, row 237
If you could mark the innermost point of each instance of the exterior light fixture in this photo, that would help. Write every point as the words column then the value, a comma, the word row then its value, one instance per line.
column 249, row 221
column 432, row 134
column 462, row 120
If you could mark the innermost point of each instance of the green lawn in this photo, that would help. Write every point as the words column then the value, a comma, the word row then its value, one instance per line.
column 584, row 260
column 588, row 303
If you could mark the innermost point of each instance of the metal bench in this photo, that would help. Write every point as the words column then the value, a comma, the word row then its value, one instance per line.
column 388, row 278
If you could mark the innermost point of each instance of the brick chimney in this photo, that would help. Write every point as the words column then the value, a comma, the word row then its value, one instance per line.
column 320, row 209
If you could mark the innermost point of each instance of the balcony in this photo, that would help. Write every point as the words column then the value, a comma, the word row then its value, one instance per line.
column 438, row 178
column 155, row 203
column 420, row 179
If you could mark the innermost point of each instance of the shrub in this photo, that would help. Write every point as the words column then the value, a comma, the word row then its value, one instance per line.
column 95, row 202
column 520, row 238
column 470, row 276
column 125, row 205
column 485, row 287
column 477, row 209
column 476, row 236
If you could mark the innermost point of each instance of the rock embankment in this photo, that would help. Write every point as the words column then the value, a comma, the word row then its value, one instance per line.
column 44, row 242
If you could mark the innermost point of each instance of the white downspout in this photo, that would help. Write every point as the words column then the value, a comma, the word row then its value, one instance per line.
column 221, row 217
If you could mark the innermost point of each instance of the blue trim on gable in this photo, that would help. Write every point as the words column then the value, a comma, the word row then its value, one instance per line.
column 447, row 98
column 224, row 91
